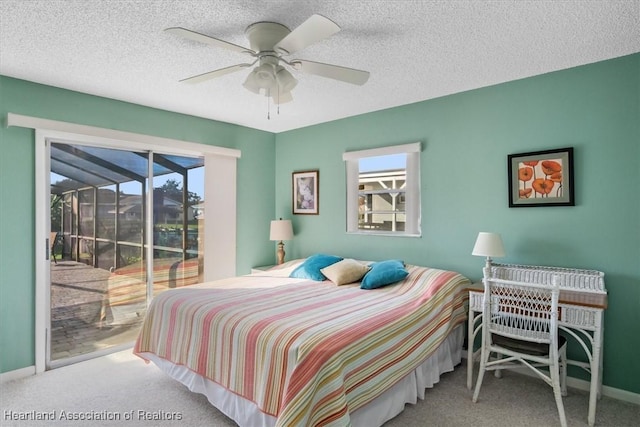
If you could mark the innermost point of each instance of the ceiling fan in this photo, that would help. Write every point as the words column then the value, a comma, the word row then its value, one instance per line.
column 270, row 42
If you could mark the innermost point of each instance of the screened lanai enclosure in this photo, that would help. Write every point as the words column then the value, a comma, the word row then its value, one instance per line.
column 125, row 225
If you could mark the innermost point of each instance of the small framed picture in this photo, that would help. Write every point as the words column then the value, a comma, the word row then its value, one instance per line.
column 306, row 192
column 541, row 178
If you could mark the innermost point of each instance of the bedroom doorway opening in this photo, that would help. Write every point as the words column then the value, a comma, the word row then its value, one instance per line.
column 124, row 226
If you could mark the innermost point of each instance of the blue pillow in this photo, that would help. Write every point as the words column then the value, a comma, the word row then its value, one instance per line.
column 384, row 273
column 310, row 268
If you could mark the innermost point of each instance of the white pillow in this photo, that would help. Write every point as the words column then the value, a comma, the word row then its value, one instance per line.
column 345, row 271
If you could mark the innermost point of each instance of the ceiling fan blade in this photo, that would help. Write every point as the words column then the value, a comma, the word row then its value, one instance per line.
column 314, row 29
column 192, row 35
column 336, row 72
column 214, row 74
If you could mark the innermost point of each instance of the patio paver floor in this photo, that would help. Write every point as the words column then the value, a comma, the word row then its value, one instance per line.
column 77, row 292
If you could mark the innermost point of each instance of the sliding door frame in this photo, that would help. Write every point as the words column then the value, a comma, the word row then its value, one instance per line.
column 220, row 167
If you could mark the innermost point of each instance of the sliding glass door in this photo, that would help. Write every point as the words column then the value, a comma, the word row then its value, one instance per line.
column 177, row 245
column 125, row 225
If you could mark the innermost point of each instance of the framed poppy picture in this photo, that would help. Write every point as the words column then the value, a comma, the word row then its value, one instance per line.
column 541, row 178
column 306, row 192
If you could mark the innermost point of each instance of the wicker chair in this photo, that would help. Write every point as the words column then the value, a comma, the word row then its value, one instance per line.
column 520, row 326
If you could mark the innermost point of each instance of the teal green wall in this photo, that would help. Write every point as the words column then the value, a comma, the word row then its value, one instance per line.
column 467, row 137
column 255, row 198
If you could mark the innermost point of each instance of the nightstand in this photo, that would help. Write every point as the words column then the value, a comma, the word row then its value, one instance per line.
column 261, row 268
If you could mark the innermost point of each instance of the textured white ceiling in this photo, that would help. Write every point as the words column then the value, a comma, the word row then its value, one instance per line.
column 415, row 50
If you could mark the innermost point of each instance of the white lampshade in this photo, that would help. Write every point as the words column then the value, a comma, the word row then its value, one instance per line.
column 281, row 230
column 489, row 245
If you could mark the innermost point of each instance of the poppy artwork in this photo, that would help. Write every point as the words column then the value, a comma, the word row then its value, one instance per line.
column 541, row 178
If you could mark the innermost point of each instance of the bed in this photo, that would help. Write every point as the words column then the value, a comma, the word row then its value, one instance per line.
column 270, row 350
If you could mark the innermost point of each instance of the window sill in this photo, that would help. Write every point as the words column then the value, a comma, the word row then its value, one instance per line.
column 383, row 233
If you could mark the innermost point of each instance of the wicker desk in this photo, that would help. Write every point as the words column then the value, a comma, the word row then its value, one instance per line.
column 583, row 300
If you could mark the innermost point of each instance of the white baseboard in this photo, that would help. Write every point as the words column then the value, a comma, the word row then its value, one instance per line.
column 17, row 374
column 32, row 370
column 614, row 393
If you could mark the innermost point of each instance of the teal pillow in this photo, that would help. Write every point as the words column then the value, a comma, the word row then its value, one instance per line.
column 384, row 273
column 310, row 268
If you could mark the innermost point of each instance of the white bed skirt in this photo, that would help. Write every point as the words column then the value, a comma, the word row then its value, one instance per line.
column 376, row 413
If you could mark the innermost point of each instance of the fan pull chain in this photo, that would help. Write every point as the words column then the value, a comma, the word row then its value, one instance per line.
column 268, row 105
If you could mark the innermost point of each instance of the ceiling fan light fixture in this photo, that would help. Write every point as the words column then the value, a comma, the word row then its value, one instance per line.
column 261, row 77
column 265, row 76
column 269, row 42
column 251, row 83
column 286, row 82
column 281, row 98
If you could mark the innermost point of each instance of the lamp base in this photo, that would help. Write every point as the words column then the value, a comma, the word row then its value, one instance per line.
column 280, row 252
column 486, row 271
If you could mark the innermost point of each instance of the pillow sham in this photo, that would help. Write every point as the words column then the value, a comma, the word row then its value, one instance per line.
column 310, row 268
column 346, row 271
column 384, row 273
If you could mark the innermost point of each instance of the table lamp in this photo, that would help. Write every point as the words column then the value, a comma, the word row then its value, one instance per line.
column 489, row 245
column 281, row 230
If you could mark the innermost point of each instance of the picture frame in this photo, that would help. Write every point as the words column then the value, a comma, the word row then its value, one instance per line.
column 541, row 178
column 306, row 192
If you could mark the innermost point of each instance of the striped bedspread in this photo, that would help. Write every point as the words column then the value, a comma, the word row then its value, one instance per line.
column 307, row 353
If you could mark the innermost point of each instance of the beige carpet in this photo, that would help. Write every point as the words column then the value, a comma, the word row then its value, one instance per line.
column 123, row 386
